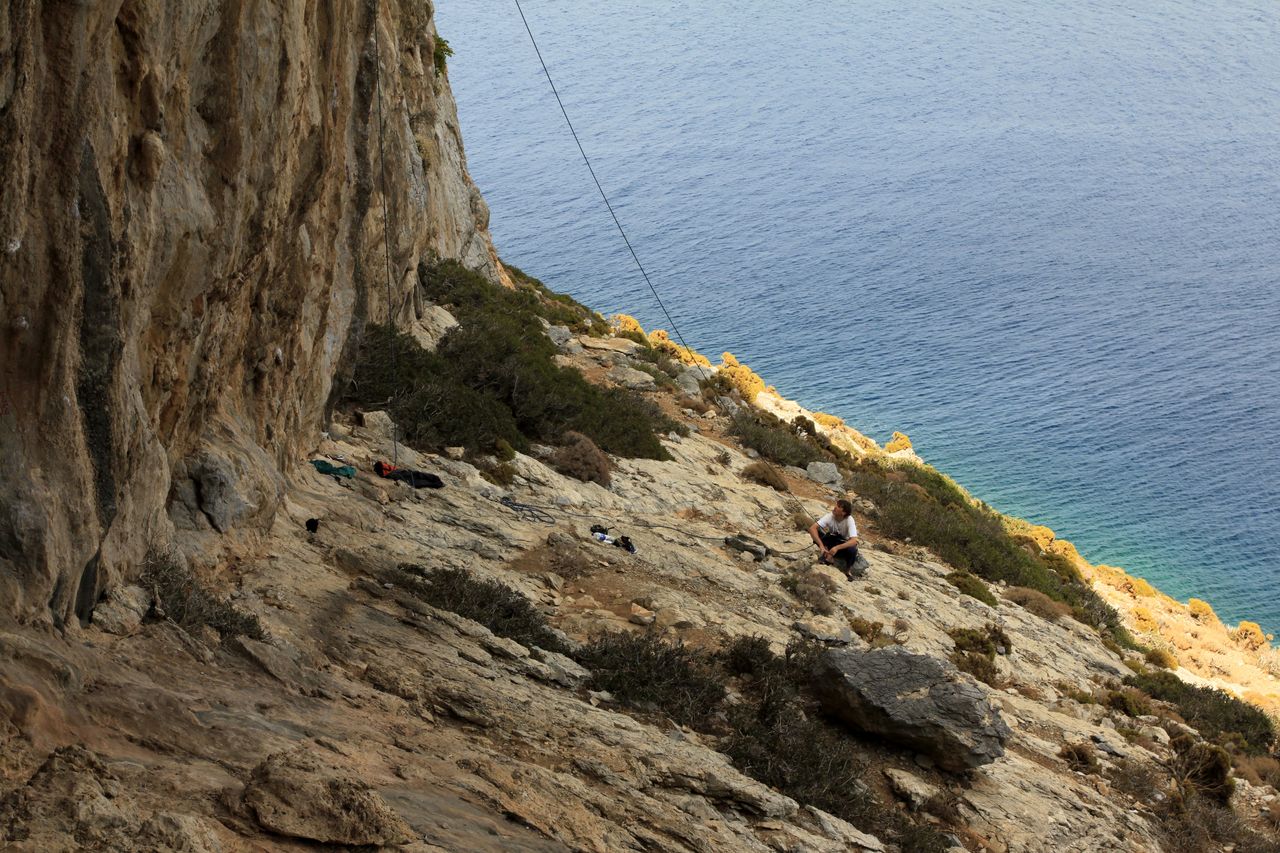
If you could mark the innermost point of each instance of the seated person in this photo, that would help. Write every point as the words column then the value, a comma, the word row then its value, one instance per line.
column 837, row 535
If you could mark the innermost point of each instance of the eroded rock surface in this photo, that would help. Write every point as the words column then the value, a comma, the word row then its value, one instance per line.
column 191, row 207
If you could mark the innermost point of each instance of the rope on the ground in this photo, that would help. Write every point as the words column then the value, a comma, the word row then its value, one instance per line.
column 543, row 514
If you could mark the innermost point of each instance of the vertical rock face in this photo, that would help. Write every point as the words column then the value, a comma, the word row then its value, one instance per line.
column 191, row 238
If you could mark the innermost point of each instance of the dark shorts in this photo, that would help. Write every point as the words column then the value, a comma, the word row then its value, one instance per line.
column 844, row 558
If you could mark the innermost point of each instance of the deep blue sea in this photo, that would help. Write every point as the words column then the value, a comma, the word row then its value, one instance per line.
column 1041, row 239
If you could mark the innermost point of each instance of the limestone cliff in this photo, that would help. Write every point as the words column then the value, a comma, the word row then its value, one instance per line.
column 191, row 215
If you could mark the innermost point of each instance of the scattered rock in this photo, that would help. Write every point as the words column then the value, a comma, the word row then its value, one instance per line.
column 379, row 424
column 641, row 615
column 294, row 794
column 825, row 630
column 688, row 381
column 430, row 328
column 910, row 788
column 123, row 610
column 607, row 345
column 565, row 671
column 560, row 335
column 919, row 701
column 825, row 473
column 629, row 377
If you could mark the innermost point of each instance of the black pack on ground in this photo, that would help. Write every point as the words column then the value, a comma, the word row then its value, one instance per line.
column 417, row 479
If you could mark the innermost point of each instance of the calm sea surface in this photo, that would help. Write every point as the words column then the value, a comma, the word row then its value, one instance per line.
column 1043, row 240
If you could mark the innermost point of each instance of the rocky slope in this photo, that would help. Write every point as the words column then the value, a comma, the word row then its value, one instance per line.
column 193, row 229
column 191, row 212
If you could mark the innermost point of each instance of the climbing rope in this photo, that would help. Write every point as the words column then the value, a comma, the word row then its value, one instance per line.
column 797, row 506
column 386, row 218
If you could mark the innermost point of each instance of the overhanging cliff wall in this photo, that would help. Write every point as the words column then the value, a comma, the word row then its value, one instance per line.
column 191, row 238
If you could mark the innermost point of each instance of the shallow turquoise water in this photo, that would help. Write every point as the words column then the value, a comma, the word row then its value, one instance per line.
column 1041, row 241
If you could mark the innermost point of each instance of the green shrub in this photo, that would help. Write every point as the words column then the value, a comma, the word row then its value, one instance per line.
column 1201, row 769
column 773, row 439
column 747, row 656
column 440, row 55
column 972, row 586
column 1162, row 658
column 983, row 641
column 1216, row 714
column 927, row 507
column 978, row 665
column 647, row 672
column 1131, row 703
column 558, row 309
column 181, row 597
column 496, row 606
column 494, row 378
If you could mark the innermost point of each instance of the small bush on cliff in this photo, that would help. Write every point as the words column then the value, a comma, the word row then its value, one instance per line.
column 1131, row 702
column 1080, row 757
column 898, row 441
column 661, row 341
column 1217, row 715
column 1201, row 611
column 650, row 673
column 813, row 588
column 1035, row 601
column 181, row 597
column 972, row 586
column 765, row 475
column 440, row 55
column 1201, row 769
column 1162, row 658
column 496, row 606
column 558, row 309
column 493, row 378
column 578, row 457
column 741, row 378
column 772, row 439
column 1249, row 635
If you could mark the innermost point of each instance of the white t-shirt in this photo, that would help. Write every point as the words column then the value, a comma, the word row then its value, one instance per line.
column 844, row 527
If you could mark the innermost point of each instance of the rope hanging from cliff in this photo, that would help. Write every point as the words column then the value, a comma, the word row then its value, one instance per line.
column 622, row 231
column 386, row 240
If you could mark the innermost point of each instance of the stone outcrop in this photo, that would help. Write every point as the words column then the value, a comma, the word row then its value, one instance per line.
column 292, row 794
column 191, row 217
column 915, row 700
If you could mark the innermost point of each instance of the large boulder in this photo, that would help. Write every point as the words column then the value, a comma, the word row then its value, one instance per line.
column 629, row 377
column 825, row 473
column 921, row 702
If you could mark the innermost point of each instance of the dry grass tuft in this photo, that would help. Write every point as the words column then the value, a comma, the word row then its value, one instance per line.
column 765, row 475
column 580, row 458
column 1035, row 601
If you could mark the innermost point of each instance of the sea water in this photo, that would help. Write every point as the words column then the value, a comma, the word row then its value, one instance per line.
column 1041, row 239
